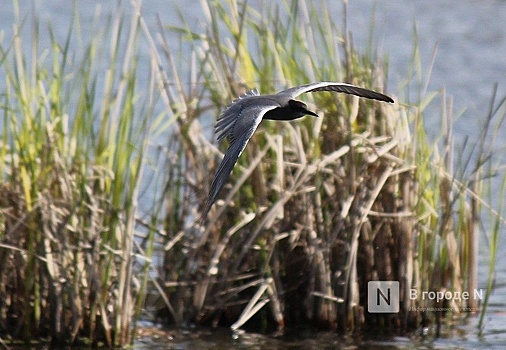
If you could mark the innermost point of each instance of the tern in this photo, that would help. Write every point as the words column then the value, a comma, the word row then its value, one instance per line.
column 239, row 120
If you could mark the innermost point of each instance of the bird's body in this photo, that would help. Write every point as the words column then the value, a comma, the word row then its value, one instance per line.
column 240, row 120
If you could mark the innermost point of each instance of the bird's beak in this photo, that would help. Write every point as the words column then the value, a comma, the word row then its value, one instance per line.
column 308, row 112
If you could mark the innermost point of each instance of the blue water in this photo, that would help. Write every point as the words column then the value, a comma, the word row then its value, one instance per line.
column 469, row 42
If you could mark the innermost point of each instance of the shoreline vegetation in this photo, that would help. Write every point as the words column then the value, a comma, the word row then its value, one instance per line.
column 313, row 210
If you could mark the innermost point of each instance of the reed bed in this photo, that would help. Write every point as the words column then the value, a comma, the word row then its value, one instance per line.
column 73, row 148
column 315, row 209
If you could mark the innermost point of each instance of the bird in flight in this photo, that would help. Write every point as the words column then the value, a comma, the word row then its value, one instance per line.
column 240, row 120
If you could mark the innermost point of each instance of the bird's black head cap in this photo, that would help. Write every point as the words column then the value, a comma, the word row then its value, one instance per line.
column 300, row 108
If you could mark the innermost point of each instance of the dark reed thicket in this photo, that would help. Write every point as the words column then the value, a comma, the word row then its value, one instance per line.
column 315, row 209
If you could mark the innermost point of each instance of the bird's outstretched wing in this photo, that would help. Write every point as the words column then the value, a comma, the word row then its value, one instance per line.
column 238, row 123
column 227, row 120
column 337, row 87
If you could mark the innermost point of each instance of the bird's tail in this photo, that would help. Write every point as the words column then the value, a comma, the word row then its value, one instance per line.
column 204, row 214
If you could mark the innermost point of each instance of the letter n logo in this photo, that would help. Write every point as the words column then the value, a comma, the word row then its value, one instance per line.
column 383, row 296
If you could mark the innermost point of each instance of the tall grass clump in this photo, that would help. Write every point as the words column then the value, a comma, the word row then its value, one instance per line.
column 74, row 136
column 315, row 209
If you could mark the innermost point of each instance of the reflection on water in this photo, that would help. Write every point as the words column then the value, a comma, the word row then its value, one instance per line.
column 463, row 336
column 471, row 40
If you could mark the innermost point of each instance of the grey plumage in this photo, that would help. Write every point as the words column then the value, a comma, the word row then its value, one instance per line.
column 239, row 120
